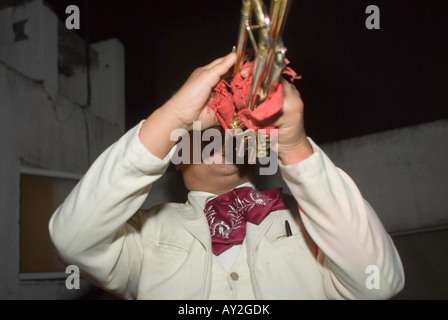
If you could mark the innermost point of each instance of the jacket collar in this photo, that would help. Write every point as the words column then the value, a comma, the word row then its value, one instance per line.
column 202, row 197
column 192, row 217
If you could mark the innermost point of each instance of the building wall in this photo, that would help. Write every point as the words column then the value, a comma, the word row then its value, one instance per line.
column 46, row 123
column 401, row 173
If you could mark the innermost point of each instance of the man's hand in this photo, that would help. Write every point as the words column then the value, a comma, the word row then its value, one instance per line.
column 185, row 106
column 293, row 145
column 189, row 102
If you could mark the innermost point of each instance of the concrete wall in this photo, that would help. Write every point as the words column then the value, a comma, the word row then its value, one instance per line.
column 425, row 262
column 45, row 123
column 402, row 173
column 33, row 52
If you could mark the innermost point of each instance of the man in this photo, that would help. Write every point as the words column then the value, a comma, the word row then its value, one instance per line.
column 325, row 250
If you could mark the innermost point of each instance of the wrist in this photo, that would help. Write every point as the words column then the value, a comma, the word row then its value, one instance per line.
column 173, row 117
column 156, row 131
column 295, row 153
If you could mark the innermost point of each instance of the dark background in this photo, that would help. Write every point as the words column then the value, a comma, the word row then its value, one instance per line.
column 355, row 81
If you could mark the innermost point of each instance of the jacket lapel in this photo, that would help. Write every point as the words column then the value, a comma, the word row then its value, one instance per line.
column 193, row 219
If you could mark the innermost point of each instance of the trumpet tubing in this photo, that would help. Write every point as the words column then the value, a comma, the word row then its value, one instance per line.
column 269, row 50
column 269, row 54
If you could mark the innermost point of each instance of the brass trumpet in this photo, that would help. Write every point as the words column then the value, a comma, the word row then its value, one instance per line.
column 269, row 52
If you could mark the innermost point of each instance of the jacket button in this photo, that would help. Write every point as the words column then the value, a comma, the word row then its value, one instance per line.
column 234, row 276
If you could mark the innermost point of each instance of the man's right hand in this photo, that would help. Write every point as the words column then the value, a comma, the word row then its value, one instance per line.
column 185, row 106
column 189, row 102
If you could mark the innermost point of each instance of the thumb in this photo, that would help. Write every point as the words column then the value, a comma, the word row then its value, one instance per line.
column 221, row 66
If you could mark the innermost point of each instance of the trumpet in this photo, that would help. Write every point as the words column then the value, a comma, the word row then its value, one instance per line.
column 269, row 51
column 269, row 62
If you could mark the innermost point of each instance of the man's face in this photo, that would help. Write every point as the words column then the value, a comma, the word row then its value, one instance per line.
column 216, row 170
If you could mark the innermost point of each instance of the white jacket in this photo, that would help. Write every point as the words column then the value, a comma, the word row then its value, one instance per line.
column 165, row 252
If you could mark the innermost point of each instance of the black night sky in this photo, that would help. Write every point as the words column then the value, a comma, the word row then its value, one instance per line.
column 355, row 81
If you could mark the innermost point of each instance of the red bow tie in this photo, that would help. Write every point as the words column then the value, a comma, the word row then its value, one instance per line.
column 227, row 214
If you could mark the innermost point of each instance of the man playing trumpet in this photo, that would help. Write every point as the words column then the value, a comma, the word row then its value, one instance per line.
column 229, row 240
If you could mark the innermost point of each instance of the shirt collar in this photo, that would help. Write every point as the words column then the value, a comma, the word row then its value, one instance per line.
column 202, row 197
